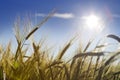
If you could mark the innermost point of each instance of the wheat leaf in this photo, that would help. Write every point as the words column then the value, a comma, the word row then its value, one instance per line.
column 89, row 54
column 114, row 37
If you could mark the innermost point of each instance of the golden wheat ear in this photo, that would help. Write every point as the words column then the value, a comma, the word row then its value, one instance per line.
column 21, row 42
column 40, row 24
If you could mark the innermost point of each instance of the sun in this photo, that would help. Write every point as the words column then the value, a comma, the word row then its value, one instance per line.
column 93, row 22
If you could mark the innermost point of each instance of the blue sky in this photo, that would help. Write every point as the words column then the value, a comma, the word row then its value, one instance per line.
column 67, row 19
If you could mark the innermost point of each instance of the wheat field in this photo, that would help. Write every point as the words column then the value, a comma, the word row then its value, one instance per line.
column 83, row 65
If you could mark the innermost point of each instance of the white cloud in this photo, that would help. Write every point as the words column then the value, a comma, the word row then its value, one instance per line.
column 64, row 15
column 57, row 15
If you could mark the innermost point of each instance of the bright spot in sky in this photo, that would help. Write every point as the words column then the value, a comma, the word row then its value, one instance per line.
column 93, row 22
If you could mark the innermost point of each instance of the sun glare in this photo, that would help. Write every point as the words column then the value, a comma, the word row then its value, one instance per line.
column 93, row 22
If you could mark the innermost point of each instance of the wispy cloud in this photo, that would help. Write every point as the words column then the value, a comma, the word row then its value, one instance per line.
column 116, row 15
column 58, row 15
